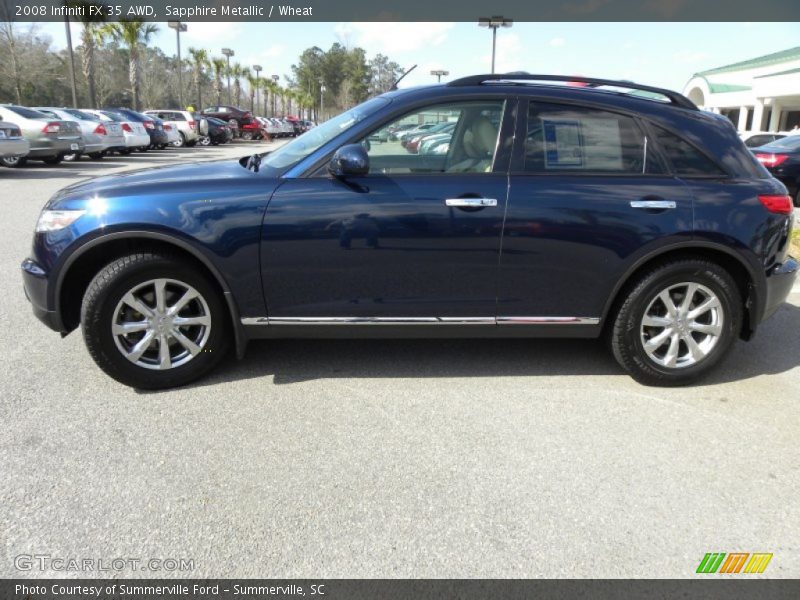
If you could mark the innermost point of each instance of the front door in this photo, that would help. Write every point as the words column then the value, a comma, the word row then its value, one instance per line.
column 417, row 239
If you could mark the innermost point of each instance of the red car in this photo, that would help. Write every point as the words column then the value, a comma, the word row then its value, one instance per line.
column 252, row 131
column 235, row 117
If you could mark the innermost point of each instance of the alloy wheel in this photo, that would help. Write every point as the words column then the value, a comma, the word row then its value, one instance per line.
column 161, row 324
column 682, row 325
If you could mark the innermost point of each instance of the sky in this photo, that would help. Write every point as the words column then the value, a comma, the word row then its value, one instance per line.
column 659, row 54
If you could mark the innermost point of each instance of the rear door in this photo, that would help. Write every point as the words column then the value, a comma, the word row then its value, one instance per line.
column 589, row 195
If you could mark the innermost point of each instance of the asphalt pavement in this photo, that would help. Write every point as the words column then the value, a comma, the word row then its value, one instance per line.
column 517, row 458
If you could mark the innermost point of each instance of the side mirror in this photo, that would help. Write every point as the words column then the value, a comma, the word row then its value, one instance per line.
column 350, row 160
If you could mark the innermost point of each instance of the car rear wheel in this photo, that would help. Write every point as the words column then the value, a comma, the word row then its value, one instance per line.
column 14, row 161
column 247, row 135
column 204, row 141
column 153, row 321
column 677, row 322
column 181, row 141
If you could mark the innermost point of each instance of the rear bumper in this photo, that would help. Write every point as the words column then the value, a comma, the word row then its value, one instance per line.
column 43, row 148
column 14, row 147
column 780, row 281
column 136, row 140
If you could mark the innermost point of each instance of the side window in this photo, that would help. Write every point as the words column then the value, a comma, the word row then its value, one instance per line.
column 176, row 116
column 684, row 157
column 573, row 139
column 458, row 137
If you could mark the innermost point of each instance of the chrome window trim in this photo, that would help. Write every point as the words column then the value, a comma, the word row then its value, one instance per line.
column 420, row 321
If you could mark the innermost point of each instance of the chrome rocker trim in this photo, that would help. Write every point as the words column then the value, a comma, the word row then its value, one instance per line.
column 420, row 321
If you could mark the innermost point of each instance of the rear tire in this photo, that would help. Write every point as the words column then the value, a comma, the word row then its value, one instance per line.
column 677, row 344
column 173, row 354
column 181, row 141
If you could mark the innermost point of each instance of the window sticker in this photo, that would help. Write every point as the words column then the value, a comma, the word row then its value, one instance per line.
column 563, row 143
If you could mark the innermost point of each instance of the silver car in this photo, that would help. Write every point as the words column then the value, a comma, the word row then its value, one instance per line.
column 99, row 137
column 49, row 139
column 12, row 144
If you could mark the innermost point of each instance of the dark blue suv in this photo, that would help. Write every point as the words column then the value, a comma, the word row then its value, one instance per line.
column 604, row 209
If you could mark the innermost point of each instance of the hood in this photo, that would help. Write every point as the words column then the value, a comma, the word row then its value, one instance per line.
column 161, row 181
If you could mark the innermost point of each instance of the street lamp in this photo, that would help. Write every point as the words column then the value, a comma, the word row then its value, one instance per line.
column 227, row 52
column 321, row 99
column 439, row 73
column 179, row 27
column 494, row 23
column 275, row 78
column 257, row 69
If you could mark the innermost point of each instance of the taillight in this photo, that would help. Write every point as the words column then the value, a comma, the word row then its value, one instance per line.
column 167, row 127
column 771, row 160
column 51, row 128
column 100, row 129
column 126, row 127
column 149, row 125
column 193, row 124
column 781, row 205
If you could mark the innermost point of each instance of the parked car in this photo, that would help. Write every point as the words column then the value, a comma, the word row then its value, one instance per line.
column 49, row 139
column 95, row 135
column 171, row 132
column 12, row 144
column 252, row 131
column 183, row 121
column 557, row 211
column 233, row 116
column 782, row 159
column 134, row 133
column 412, row 144
column 409, row 133
column 153, row 127
column 219, row 132
column 754, row 139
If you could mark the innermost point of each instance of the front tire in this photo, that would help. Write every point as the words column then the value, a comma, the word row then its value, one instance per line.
column 677, row 322
column 154, row 321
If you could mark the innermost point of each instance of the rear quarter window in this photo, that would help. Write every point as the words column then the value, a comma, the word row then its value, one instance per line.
column 685, row 158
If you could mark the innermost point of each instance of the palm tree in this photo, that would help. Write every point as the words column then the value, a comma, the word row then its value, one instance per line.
column 91, row 37
column 199, row 60
column 218, row 64
column 252, row 83
column 265, row 89
column 135, row 34
column 237, row 72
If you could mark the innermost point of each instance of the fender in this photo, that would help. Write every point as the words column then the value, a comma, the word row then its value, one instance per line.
column 240, row 338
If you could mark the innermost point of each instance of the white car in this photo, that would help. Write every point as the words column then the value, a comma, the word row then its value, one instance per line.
column 135, row 134
column 97, row 137
column 183, row 122
column 12, row 144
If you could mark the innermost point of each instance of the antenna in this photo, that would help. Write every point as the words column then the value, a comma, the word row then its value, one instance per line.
column 394, row 85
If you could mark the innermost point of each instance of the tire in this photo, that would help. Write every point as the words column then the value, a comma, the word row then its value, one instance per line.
column 73, row 157
column 53, row 160
column 181, row 141
column 246, row 135
column 630, row 333
column 205, row 141
column 103, row 306
column 96, row 155
column 14, row 161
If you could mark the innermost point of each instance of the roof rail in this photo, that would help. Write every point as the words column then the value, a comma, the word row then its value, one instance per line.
column 674, row 97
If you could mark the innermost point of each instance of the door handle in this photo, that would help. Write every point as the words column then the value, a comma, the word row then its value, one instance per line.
column 653, row 204
column 470, row 202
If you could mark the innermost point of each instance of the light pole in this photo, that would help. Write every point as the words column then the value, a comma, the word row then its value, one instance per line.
column 71, row 64
column 179, row 27
column 275, row 78
column 439, row 73
column 257, row 69
column 494, row 23
column 321, row 99
column 227, row 52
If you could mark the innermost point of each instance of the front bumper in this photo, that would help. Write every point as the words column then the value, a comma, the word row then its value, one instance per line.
column 35, row 282
column 780, row 281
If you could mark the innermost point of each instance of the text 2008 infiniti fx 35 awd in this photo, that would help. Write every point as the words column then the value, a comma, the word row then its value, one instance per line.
column 551, row 210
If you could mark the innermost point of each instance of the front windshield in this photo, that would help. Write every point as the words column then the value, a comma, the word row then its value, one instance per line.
column 296, row 150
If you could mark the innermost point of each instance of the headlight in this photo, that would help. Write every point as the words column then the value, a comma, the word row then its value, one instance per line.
column 54, row 220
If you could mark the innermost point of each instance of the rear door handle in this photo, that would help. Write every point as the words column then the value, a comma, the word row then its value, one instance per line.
column 653, row 204
column 470, row 202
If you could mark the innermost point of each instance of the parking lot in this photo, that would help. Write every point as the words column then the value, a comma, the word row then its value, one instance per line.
column 485, row 458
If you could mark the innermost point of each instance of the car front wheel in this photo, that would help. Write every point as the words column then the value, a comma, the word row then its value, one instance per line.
column 677, row 322
column 152, row 321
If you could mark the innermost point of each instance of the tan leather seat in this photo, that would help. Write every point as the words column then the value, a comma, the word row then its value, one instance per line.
column 479, row 143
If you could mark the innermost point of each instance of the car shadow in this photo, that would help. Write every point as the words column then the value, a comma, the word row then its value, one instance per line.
column 774, row 350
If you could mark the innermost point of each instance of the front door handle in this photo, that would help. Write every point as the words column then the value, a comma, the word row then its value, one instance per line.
column 653, row 204
column 470, row 202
